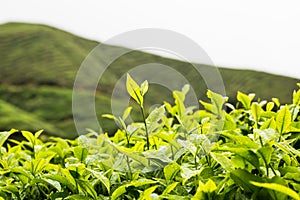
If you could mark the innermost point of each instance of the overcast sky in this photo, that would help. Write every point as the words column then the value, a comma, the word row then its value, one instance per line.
column 257, row 34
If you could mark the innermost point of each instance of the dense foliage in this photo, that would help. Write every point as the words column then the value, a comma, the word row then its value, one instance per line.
column 177, row 152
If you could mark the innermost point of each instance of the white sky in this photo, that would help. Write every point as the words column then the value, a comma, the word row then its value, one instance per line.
column 256, row 34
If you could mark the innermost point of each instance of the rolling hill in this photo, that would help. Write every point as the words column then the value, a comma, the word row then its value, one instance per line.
column 38, row 67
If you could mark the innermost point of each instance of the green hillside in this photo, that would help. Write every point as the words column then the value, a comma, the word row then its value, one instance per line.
column 11, row 116
column 50, row 104
column 39, row 63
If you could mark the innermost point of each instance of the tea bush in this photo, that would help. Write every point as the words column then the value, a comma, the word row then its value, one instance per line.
column 177, row 152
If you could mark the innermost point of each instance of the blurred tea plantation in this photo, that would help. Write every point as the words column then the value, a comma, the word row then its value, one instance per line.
column 38, row 66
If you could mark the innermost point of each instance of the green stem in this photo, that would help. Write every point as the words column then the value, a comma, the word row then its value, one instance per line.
column 127, row 139
column 196, row 182
column 146, row 128
column 40, row 190
column 195, row 162
column 172, row 152
column 267, row 165
column 209, row 197
column 129, row 168
column 261, row 142
column 272, row 169
column 294, row 111
column 279, row 139
column 208, row 160
column 77, row 187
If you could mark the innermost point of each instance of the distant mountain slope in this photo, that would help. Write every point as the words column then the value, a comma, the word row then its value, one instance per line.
column 39, row 63
column 41, row 55
column 50, row 104
column 11, row 116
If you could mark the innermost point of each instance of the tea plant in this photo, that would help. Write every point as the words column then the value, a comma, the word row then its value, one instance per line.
column 176, row 152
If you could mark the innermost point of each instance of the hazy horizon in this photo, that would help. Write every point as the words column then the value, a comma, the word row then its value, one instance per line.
column 256, row 35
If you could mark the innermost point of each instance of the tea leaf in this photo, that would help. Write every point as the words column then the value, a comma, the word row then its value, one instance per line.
column 170, row 188
column 144, row 87
column 134, row 90
column 147, row 193
column 171, row 170
column 256, row 111
column 87, row 188
column 223, row 161
column 103, row 179
column 283, row 119
column 243, row 178
column 276, row 101
column 122, row 189
column 277, row 187
column 80, row 153
column 296, row 97
column 4, row 136
column 245, row 99
column 126, row 113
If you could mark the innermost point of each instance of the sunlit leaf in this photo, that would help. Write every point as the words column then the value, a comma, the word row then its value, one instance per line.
column 276, row 101
column 147, row 193
column 170, row 188
column 256, row 111
column 270, row 106
column 296, row 97
column 209, row 186
column 3, row 137
column 283, row 119
column 241, row 139
column 144, row 87
column 270, row 123
column 108, row 116
column 171, row 170
column 223, row 161
column 126, row 113
column 245, row 99
column 62, row 180
column 29, row 137
column 277, row 187
column 80, row 153
column 218, row 102
column 134, row 90
column 179, row 101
